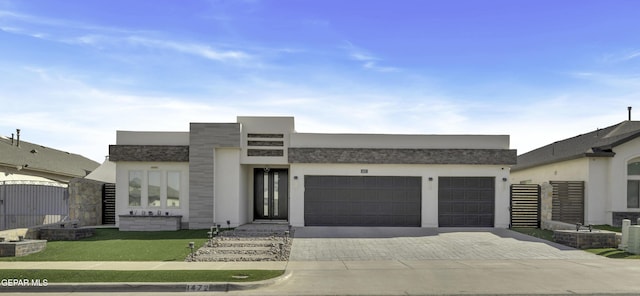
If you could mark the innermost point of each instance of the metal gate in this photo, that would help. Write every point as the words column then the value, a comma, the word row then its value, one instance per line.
column 568, row 201
column 32, row 203
column 525, row 205
column 108, row 204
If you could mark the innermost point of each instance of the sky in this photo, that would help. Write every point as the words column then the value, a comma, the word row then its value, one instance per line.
column 74, row 72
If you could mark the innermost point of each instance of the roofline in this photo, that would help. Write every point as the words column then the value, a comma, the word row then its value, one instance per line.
column 621, row 141
column 582, row 155
column 31, row 169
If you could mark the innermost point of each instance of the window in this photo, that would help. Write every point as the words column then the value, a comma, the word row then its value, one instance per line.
column 633, row 184
column 135, row 188
column 153, row 188
column 173, row 189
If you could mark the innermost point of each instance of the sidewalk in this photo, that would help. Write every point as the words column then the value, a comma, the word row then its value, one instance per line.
column 391, row 277
column 144, row 265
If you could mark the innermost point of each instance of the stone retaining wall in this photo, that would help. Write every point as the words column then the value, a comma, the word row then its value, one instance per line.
column 585, row 239
column 66, row 234
column 149, row 223
column 21, row 248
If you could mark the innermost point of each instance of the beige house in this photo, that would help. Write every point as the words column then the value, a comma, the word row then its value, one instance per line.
column 607, row 161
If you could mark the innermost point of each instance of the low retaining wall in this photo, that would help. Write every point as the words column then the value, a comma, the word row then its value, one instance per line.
column 66, row 234
column 150, row 223
column 21, row 248
column 586, row 240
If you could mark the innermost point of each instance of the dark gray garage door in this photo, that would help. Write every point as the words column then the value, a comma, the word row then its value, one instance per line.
column 466, row 201
column 362, row 201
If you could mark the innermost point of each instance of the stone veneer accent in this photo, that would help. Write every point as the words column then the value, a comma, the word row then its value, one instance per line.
column 585, row 239
column 617, row 217
column 203, row 139
column 174, row 153
column 403, row 156
column 149, row 223
column 66, row 234
column 85, row 201
column 21, row 248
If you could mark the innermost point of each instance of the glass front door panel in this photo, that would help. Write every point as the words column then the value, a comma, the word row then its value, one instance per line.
column 271, row 192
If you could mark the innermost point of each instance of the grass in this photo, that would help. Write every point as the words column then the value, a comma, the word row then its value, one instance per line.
column 608, row 228
column 613, row 253
column 115, row 245
column 106, row 276
column 536, row 232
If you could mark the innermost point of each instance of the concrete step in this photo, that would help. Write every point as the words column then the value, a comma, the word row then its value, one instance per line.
column 236, row 257
column 246, row 242
column 242, row 249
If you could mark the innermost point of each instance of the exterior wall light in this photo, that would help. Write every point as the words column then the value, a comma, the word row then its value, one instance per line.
column 504, row 179
column 430, row 178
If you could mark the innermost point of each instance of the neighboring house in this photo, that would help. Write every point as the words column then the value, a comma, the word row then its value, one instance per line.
column 260, row 170
column 34, row 182
column 24, row 161
column 606, row 160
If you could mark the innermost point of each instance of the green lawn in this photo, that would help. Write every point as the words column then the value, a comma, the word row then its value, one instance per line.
column 115, row 245
column 536, row 232
column 106, row 276
column 608, row 228
column 613, row 253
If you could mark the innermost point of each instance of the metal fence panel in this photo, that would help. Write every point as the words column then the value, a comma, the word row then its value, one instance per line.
column 27, row 204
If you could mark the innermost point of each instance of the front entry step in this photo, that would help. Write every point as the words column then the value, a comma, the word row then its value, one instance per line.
column 252, row 242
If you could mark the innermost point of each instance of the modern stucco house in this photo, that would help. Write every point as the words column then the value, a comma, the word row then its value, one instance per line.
column 259, row 169
column 607, row 161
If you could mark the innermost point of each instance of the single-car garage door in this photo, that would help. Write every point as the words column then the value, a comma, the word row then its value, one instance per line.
column 362, row 201
column 466, row 201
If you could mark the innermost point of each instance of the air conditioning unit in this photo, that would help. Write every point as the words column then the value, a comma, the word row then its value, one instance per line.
column 634, row 239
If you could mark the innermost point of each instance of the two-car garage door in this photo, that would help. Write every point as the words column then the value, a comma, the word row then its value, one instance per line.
column 396, row 201
column 362, row 201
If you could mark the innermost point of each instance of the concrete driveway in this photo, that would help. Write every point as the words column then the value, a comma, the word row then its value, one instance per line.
column 407, row 244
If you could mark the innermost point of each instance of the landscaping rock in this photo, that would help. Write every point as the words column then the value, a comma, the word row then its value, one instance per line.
column 251, row 242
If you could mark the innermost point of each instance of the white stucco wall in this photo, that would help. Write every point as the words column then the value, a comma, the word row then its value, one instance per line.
column 122, row 187
column 227, row 189
column 151, row 138
column 429, row 188
column 266, row 125
column 618, row 179
column 309, row 140
column 571, row 170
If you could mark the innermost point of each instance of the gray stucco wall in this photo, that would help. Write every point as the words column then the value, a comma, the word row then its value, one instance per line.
column 203, row 139
column 403, row 156
column 148, row 153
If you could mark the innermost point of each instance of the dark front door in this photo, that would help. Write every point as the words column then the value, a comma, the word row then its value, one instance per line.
column 271, row 193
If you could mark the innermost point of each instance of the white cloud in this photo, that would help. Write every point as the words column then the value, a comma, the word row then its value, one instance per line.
column 367, row 60
column 201, row 50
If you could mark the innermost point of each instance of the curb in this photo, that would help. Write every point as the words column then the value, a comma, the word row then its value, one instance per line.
column 146, row 287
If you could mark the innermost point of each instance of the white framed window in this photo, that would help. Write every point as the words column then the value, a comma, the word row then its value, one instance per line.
column 135, row 188
column 633, row 183
column 154, row 186
column 155, row 189
column 173, row 189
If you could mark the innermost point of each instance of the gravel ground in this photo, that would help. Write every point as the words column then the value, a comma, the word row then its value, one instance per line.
column 246, row 243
